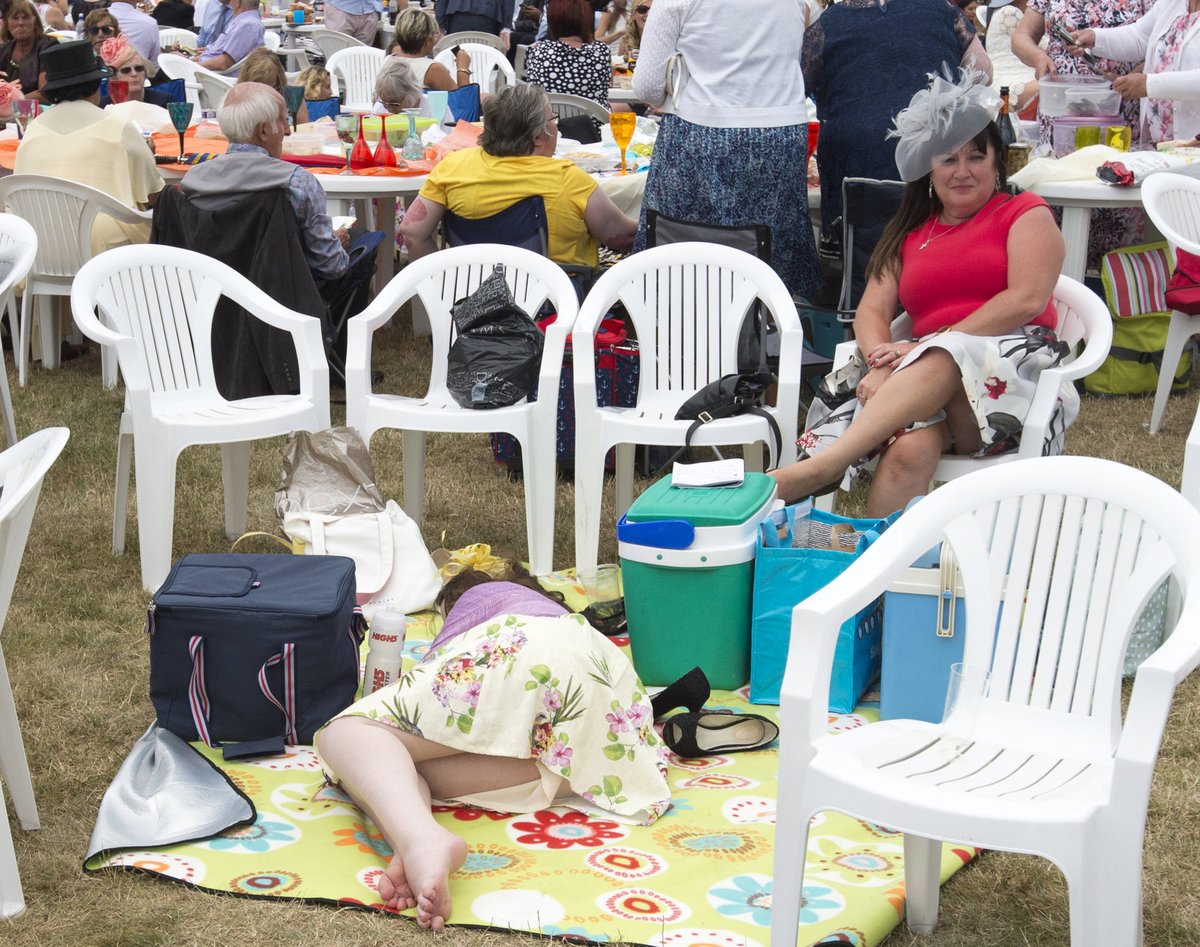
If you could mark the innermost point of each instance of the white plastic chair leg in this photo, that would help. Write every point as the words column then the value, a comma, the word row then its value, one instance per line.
column 23, row 340
column 1104, row 887
column 51, row 331
column 235, row 475
column 540, row 475
column 121, row 491
column 6, row 405
column 922, row 882
column 156, row 512
column 14, row 766
column 413, row 445
column 825, row 502
column 1190, row 487
column 623, row 476
column 752, row 455
column 791, row 829
column 1182, row 328
column 12, row 898
column 589, row 492
column 108, row 367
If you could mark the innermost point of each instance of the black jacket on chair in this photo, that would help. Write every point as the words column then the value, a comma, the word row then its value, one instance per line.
column 255, row 233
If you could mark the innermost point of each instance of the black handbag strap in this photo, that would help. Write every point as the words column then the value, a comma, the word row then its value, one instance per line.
column 776, row 443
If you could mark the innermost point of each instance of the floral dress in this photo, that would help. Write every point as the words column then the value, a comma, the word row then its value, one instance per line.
column 1160, row 117
column 553, row 690
column 1111, row 227
column 557, row 67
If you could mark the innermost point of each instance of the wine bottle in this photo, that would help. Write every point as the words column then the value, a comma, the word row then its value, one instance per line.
column 1008, row 133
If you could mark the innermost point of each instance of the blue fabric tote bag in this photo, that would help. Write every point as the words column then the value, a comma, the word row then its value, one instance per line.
column 800, row 551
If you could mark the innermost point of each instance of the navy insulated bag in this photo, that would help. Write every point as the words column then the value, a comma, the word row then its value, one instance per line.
column 254, row 649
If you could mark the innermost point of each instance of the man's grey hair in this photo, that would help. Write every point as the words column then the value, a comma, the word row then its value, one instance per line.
column 512, row 118
column 396, row 82
column 247, row 106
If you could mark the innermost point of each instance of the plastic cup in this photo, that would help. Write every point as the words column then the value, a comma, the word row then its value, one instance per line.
column 1117, row 136
column 965, row 693
column 606, row 608
column 1087, row 135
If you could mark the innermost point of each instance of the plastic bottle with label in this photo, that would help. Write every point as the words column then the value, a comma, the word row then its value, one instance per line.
column 385, row 654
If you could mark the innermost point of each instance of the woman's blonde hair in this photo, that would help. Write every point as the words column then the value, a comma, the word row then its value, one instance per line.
column 413, row 30
column 313, row 79
column 633, row 34
column 263, row 66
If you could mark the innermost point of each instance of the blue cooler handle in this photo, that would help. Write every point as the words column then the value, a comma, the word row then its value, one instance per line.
column 661, row 534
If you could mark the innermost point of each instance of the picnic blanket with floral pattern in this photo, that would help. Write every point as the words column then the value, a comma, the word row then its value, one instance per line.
column 699, row 877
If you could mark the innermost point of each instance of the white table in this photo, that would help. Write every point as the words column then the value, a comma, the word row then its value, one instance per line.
column 1077, row 198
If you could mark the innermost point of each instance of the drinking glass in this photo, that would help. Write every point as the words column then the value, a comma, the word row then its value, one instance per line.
column 606, row 608
column 118, row 90
column 360, row 156
column 347, row 127
column 181, row 116
column 623, row 125
column 293, row 95
column 385, row 157
column 25, row 111
column 439, row 102
column 965, row 692
column 413, row 149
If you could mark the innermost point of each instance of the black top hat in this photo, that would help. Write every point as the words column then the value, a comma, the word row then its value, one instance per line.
column 69, row 64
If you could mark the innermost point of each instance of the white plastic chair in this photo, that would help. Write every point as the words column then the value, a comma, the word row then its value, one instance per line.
column 464, row 37
column 330, row 41
column 489, row 66
column 1173, row 203
column 353, row 72
column 567, row 105
column 169, row 36
column 1083, row 323
column 440, row 280
column 18, row 249
column 159, row 302
column 214, row 87
column 179, row 67
column 272, row 41
column 1190, row 487
column 22, row 469
column 1058, row 557
column 62, row 214
column 687, row 302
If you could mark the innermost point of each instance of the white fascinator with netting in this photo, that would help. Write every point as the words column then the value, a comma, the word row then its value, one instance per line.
column 941, row 119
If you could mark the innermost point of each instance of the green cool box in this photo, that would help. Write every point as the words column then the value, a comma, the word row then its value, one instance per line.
column 687, row 568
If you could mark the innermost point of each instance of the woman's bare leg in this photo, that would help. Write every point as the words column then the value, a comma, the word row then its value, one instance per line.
column 905, row 469
column 379, row 767
column 915, row 393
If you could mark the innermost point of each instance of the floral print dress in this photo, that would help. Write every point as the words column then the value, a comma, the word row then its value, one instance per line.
column 553, row 690
column 1160, row 117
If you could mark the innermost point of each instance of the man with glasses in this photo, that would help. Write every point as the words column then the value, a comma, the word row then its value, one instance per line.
column 516, row 160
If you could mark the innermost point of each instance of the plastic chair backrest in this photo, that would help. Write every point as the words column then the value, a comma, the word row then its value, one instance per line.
column 464, row 37
column 1172, row 202
column 174, row 35
column 62, row 214
column 352, row 75
column 519, row 61
column 18, row 251
column 271, row 41
column 330, row 41
column 489, row 66
column 867, row 206
column 567, row 105
column 521, row 224
column 179, row 67
column 214, row 87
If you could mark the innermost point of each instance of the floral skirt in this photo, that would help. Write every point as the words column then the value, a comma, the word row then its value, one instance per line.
column 999, row 376
column 549, row 689
column 736, row 177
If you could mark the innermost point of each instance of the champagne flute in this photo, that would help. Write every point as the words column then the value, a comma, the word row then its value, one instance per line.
column 181, row 116
column 623, row 125
column 347, row 130
column 118, row 90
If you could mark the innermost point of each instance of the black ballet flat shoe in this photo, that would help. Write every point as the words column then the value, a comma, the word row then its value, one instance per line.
column 690, row 691
column 709, row 733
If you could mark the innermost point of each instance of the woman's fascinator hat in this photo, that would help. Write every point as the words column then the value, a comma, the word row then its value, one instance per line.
column 941, row 119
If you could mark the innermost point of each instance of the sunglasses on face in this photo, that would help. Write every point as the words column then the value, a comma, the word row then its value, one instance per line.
column 130, row 70
column 101, row 30
column 643, row 9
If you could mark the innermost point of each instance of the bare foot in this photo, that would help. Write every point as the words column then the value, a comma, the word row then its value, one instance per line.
column 393, row 886
column 804, row 478
column 429, row 862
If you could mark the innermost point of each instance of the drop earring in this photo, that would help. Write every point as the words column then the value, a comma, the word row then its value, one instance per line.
column 931, row 187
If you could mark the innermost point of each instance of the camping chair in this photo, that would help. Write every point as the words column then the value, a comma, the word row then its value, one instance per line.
column 352, row 75
column 687, row 303
column 1172, row 202
column 440, row 280
column 867, row 207
column 1058, row 556
column 22, row 469
column 155, row 306
column 463, row 102
column 521, row 224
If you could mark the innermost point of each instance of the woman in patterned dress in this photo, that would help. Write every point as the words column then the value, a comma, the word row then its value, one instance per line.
column 574, row 61
column 1168, row 88
column 1111, row 227
column 518, row 705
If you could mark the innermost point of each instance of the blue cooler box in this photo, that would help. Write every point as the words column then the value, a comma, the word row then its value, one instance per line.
column 923, row 620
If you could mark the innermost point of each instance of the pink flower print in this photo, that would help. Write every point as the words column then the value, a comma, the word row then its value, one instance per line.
column 807, row 440
column 560, row 754
column 638, row 715
column 618, row 721
column 995, row 387
column 553, row 699
column 471, row 693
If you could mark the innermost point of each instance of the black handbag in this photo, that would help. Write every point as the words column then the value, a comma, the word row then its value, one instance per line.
column 495, row 357
column 728, row 396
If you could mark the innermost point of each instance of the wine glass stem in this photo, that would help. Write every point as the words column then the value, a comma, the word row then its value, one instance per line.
column 181, row 144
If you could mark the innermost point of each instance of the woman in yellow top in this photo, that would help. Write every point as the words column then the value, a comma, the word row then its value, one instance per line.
column 516, row 161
